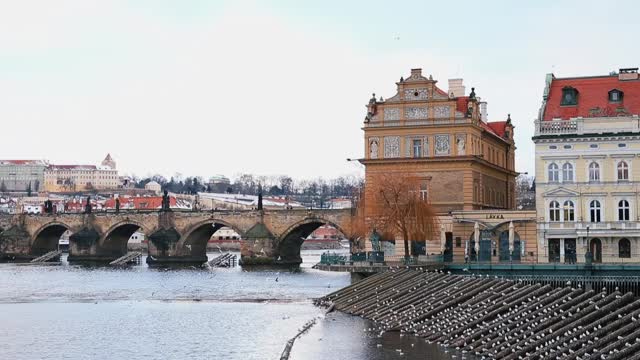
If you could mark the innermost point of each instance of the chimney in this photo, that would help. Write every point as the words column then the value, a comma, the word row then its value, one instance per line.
column 628, row 74
column 483, row 111
column 416, row 72
column 456, row 89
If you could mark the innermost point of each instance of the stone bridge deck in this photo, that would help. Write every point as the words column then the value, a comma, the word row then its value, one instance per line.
column 270, row 237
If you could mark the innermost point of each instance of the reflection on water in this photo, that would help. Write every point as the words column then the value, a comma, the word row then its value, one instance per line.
column 76, row 312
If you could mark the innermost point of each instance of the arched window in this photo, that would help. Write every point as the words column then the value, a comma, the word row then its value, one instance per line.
column 623, row 210
column 567, row 172
column 624, row 248
column 594, row 172
column 594, row 211
column 569, row 210
column 554, row 211
column 553, row 172
column 623, row 171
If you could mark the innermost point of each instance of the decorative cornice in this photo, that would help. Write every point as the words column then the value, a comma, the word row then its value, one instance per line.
column 560, row 157
column 545, row 139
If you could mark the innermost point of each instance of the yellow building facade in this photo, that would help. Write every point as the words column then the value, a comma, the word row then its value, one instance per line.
column 587, row 141
column 71, row 178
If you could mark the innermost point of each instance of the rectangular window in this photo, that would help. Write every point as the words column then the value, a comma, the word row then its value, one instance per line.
column 417, row 148
column 424, row 196
column 569, row 96
column 623, row 214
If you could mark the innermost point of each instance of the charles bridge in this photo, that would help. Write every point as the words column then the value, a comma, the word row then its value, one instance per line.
column 269, row 236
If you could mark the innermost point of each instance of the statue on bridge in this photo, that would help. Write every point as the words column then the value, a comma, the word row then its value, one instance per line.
column 87, row 207
column 375, row 240
column 117, row 205
column 166, row 202
column 48, row 207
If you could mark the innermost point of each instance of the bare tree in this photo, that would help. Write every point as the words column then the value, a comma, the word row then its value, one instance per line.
column 395, row 207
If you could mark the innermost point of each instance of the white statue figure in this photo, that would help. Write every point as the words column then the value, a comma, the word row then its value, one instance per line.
column 373, row 150
column 461, row 145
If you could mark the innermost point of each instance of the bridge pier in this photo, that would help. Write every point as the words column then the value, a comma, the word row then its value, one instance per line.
column 164, row 250
column 258, row 247
column 14, row 245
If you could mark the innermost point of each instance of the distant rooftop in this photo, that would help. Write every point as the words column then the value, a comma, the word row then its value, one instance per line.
column 23, row 162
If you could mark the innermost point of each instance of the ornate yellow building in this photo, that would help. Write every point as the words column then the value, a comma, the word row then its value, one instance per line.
column 443, row 138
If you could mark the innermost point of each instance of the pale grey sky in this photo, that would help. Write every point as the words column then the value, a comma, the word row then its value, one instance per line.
column 273, row 87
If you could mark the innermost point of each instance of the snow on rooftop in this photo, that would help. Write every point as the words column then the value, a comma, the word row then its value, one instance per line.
column 249, row 200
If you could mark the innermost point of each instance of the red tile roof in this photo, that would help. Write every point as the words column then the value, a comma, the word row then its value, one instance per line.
column 593, row 97
column 461, row 104
column 498, row 127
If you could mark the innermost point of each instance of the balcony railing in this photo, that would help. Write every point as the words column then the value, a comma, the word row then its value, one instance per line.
column 583, row 225
column 590, row 125
column 556, row 127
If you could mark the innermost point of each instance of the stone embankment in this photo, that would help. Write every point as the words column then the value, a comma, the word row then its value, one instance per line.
column 496, row 318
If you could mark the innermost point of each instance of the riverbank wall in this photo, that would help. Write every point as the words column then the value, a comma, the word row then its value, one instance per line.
column 496, row 318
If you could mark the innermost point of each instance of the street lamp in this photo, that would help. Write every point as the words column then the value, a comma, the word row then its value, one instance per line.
column 357, row 161
column 587, row 255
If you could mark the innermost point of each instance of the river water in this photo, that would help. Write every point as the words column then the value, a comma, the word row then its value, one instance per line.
column 79, row 312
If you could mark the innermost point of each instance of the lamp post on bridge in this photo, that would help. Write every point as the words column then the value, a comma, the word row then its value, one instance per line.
column 588, row 256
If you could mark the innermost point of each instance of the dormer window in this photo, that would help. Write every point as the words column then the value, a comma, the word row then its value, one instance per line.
column 615, row 96
column 569, row 96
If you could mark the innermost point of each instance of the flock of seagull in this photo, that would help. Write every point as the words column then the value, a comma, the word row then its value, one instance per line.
column 496, row 318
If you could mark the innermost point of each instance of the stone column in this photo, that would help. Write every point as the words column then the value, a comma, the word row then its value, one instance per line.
column 562, row 250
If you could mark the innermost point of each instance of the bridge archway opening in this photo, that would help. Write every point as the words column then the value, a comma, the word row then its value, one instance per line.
column 49, row 239
column 122, row 238
column 195, row 241
column 290, row 246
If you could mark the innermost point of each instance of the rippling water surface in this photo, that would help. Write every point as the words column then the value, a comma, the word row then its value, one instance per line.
column 78, row 312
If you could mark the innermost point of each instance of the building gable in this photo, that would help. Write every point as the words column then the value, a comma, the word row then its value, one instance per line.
column 560, row 192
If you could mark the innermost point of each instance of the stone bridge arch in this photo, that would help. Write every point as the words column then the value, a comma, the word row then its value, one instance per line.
column 46, row 238
column 291, row 240
column 195, row 238
column 114, row 240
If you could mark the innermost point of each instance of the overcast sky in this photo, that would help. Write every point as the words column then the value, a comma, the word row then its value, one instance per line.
column 206, row 87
